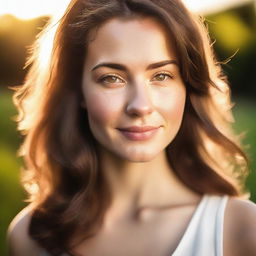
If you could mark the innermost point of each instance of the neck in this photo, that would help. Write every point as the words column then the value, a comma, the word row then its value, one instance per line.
column 139, row 185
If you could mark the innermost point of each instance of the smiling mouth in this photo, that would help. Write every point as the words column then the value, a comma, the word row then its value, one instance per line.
column 138, row 133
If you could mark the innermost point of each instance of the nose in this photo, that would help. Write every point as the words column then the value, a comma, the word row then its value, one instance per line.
column 140, row 103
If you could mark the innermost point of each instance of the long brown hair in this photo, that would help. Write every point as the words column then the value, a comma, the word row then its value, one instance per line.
column 63, row 174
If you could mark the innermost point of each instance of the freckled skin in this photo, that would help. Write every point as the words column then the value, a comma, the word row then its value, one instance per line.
column 136, row 96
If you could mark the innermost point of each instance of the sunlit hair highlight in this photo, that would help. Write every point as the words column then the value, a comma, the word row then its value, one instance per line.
column 62, row 167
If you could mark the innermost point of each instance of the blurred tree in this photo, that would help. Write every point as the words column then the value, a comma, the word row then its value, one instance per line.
column 15, row 38
column 235, row 34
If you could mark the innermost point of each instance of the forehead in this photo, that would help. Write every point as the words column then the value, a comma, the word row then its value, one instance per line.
column 132, row 39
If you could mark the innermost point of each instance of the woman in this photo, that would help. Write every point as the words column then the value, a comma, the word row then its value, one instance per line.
column 128, row 148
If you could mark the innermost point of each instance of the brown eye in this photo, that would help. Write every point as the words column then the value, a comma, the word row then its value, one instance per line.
column 111, row 79
column 162, row 77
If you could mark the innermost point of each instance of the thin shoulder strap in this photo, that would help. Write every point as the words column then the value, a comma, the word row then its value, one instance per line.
column 219, row 228
column 204, row 236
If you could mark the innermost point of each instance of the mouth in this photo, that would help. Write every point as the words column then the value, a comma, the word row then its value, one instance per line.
column 139, row 133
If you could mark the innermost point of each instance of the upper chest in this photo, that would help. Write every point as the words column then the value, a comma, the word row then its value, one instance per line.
column 156, row 233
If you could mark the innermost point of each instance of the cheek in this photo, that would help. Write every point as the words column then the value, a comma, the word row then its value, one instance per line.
column 172, row 104
column 102, row 108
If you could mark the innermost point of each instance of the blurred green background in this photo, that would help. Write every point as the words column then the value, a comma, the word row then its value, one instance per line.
column 234, row 31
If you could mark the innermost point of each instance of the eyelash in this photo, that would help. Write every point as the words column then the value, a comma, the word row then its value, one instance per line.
column 101, row 79
column 164, row 73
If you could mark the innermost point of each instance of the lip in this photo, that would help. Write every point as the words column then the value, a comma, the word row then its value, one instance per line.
column 139, row 133
column 139, row 128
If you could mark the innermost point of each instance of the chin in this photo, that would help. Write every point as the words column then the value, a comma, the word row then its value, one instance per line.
column 139, row 157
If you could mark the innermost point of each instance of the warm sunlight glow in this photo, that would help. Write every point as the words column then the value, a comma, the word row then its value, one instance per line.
column 46, row 44
column 28, row 9
column 210, row 6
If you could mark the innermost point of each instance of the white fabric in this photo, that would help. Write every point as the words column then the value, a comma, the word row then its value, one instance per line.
column 204, row 234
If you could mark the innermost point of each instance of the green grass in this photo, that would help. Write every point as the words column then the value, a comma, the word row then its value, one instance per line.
column 244, row 113
column 12, row 195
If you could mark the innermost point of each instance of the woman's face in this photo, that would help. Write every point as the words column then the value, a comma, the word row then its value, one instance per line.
column 132, row 88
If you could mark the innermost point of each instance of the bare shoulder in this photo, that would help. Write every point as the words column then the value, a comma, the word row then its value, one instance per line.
column 240, row 227
column 19, row 242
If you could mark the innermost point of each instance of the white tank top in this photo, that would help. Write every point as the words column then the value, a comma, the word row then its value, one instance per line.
column 204, row 233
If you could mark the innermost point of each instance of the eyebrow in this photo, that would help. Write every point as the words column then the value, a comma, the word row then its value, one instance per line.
column 124, row 68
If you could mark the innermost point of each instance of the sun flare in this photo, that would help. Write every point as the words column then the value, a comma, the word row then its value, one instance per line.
column 29, row 9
